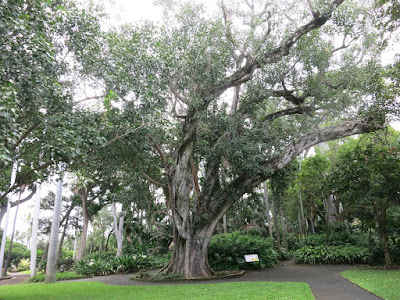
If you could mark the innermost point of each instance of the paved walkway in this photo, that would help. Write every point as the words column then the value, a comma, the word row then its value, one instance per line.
column 15, row 279
column 324, row 280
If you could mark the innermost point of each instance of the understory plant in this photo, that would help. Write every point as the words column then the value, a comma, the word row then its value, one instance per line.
column 332, row 255
column 227, row 250
column 104, row 264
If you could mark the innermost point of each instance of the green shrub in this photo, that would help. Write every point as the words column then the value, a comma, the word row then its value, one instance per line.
column 59, row 277
column 24, row 265
column 104, row 263
column 226, row 251
column 18, row 252
column 65, row 264
column 332, row 255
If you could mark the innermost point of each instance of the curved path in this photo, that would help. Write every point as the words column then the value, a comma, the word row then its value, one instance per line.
column 324, row 280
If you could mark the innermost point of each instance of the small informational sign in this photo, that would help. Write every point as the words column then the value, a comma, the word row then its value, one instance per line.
column 251, row 258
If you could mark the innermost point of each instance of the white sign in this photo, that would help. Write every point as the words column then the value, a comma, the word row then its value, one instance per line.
column 251, row 258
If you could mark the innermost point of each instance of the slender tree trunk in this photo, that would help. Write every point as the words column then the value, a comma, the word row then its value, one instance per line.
column 300, row 227
column 4, row 237
column 8, row 261
column 44, row 256
column 75, row 244
column 118, row 229
column 82, row 243
column 327, row 223
column 60, row 244
column 285, row 243
column 224, row 224
column 55, row 226
column 108, row 238
column 312, row 220
column 381, row 222
column 267, row 210
column 276, row 225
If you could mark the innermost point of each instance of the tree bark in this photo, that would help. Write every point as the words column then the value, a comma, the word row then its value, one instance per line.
column 285, row 243
column 82, row 243
column 55, row 226
column 35, row 227
column 276, row 225
column 118, row 229
column 60, row 244
column 267, row 210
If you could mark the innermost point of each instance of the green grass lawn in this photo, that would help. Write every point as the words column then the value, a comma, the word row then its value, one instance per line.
column 27, row 272
column 98, row 291
column 385, row 284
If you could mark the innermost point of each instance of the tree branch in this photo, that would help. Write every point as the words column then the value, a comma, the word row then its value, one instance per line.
column 26, row 133
column 21, row 182
column 154, row 181
column 118, row 137
column 318, row 136
column 245, row 73
column 159, row 150
column 289, row 111
column 90, row 98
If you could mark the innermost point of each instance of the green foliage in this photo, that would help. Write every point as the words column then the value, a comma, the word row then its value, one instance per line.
column 18, row 252
column 341, row 238
column 59, row 277
column 24, row 265
column 226, row 251
column 107, row 263
column 332, row 255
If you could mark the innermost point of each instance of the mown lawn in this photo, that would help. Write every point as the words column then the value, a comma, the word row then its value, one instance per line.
column 385, row 284
column 98, row 291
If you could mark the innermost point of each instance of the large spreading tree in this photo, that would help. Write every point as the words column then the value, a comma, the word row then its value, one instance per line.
column 247, row 91
column 233, row 98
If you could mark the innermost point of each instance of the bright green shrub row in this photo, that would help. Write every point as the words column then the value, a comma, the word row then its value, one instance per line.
column 226, row 251
column 332, row 255
column 104, row 264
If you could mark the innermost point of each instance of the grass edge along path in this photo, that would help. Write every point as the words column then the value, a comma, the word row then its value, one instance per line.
column 383, row 283
column 98, row 291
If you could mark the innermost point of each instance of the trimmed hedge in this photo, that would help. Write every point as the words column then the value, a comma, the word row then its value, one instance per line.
column 226, row 251
column 332, row 255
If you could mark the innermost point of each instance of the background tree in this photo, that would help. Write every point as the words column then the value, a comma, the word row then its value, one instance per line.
column 367, row 174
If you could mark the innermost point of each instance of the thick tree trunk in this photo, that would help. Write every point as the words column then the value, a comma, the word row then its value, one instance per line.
column 55, row 226
column 190, row 256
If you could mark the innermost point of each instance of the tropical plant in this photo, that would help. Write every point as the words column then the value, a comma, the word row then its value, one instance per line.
column 332, row 255
column 226, row 251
